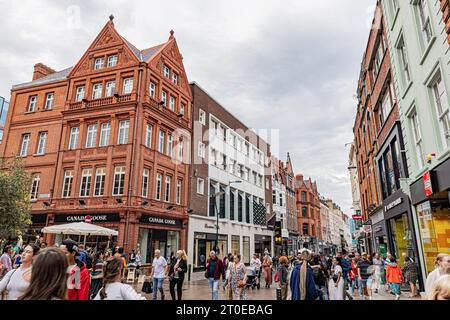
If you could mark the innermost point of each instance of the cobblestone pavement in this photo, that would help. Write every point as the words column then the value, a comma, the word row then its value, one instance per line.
column 199, row 290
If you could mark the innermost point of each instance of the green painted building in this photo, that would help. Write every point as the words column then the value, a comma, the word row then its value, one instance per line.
column 420, row 54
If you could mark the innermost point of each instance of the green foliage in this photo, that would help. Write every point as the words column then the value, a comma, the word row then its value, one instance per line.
column 15, row 205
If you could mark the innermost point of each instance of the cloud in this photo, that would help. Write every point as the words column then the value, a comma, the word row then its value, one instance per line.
column 288, row 65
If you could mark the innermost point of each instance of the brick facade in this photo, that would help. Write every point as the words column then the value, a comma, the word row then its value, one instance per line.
column 138, row 107
column 445, row 7
column 308, row 207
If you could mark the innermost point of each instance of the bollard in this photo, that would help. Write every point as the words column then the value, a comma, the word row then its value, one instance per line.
column 278, row 293
column 189, row 273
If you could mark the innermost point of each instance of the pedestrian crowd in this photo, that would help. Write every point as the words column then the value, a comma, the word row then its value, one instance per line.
column 70, row 272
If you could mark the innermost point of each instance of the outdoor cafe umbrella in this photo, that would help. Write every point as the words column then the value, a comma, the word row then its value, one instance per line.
column 81, row 229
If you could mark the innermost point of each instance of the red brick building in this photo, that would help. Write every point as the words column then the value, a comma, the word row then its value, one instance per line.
column 108, row 137
column 445, row 7
column 308, row 208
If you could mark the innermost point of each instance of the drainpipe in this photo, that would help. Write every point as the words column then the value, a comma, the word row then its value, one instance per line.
column 133, row 150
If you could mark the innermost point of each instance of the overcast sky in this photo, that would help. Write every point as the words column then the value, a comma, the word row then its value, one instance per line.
column 287, row 65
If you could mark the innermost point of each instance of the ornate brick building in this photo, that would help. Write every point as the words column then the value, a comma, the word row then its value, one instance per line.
column 108, row 138
column 308, row 208
column 445, row 7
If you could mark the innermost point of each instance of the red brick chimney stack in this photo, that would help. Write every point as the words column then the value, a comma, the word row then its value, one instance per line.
column 41, row 70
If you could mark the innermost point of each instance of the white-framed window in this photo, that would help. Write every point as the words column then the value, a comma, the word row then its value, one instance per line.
column 164, row 97
column 36, row 180
column 180, row 150
column 99, row 63
column 127, row 86
column 148, row 135
column 174, row 78
column 91, row 137
column 80, row 94
column 85, row 187
column 260, row 180
column 179, row 192
column 110, row 88
column 24, row 145
column 425, row 21
column 202, row 117
column 378, row 59
column 200, row 186
column 145, row 179
column 97, row 91
column 119, row 180
column 442, row 109
column 247, row 149
column 152, row 90
column 169, row 145
column 49, row 98
column 417, row 135
column 124, row 126
column 201, row 149
column 100, row 177
column 404, row 61
column 172, row 103
column 112, row 61
column 166, row 71
column 386, row 103
column 167, row 189
column 32, row 104
column 73, row 139
column 255, row 178
column 182, row 108
column 67, row 183
column 42, row 143
column 105, row 133
column 232, row 167
column 158, row 186
column 162, row 138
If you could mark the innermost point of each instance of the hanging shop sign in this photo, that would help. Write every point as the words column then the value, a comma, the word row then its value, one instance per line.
column 278, row 235
column 428, row 184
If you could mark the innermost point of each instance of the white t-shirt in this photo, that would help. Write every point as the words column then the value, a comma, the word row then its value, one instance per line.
column 120, row 291
column 159, row 266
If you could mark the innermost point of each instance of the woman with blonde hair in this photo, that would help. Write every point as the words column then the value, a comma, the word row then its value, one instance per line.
column 113, row 288
column 441, row 289
column 177, row 270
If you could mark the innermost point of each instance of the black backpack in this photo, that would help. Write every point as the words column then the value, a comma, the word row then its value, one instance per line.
column 316, row 273
column 88, row 261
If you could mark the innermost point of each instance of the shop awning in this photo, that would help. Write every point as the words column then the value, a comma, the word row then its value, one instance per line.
column 80, row 228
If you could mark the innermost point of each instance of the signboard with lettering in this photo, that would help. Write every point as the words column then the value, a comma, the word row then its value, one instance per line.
column 278, row 236
column 428, row 184
column 393, row 204
column 161, row 221
column 356, row 217
column 94, row 218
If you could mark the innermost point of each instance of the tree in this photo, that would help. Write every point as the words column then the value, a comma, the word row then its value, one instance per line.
column 15, row 204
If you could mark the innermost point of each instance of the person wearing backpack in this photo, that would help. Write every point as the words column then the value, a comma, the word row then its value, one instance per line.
column 282, row 275
column 320, row 278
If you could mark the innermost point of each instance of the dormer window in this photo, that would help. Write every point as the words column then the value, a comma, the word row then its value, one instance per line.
column 99, row 63
column 112, row 61
column 166, row 71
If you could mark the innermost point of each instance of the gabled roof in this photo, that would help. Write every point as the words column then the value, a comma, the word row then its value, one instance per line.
column 54, row 77
column 143, row 55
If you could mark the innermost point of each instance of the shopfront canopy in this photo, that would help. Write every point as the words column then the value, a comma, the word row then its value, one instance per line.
column 80, row 228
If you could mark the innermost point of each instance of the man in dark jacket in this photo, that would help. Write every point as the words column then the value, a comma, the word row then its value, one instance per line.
column 214, row 270
column 346, row 268
column 302, row 278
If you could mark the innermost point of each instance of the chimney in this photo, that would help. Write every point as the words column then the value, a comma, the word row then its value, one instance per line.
column 41, row 70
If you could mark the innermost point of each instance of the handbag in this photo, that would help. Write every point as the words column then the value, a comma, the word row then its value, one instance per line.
column 147, row 287
column 335, row 278
column 240, row 283
column 276, row 278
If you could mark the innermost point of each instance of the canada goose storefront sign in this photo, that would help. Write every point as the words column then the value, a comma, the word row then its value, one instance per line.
column 161, row 221
column 88, row 218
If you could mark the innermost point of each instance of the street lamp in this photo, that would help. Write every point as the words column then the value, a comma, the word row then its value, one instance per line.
column 214, row 198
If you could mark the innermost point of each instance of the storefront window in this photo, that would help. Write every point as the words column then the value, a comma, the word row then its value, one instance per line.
column 97, row 243
column 204, row 244
column 150, row 240
column 434, row 224
column 246, row 249
column 401, row 237
column 235, row 245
